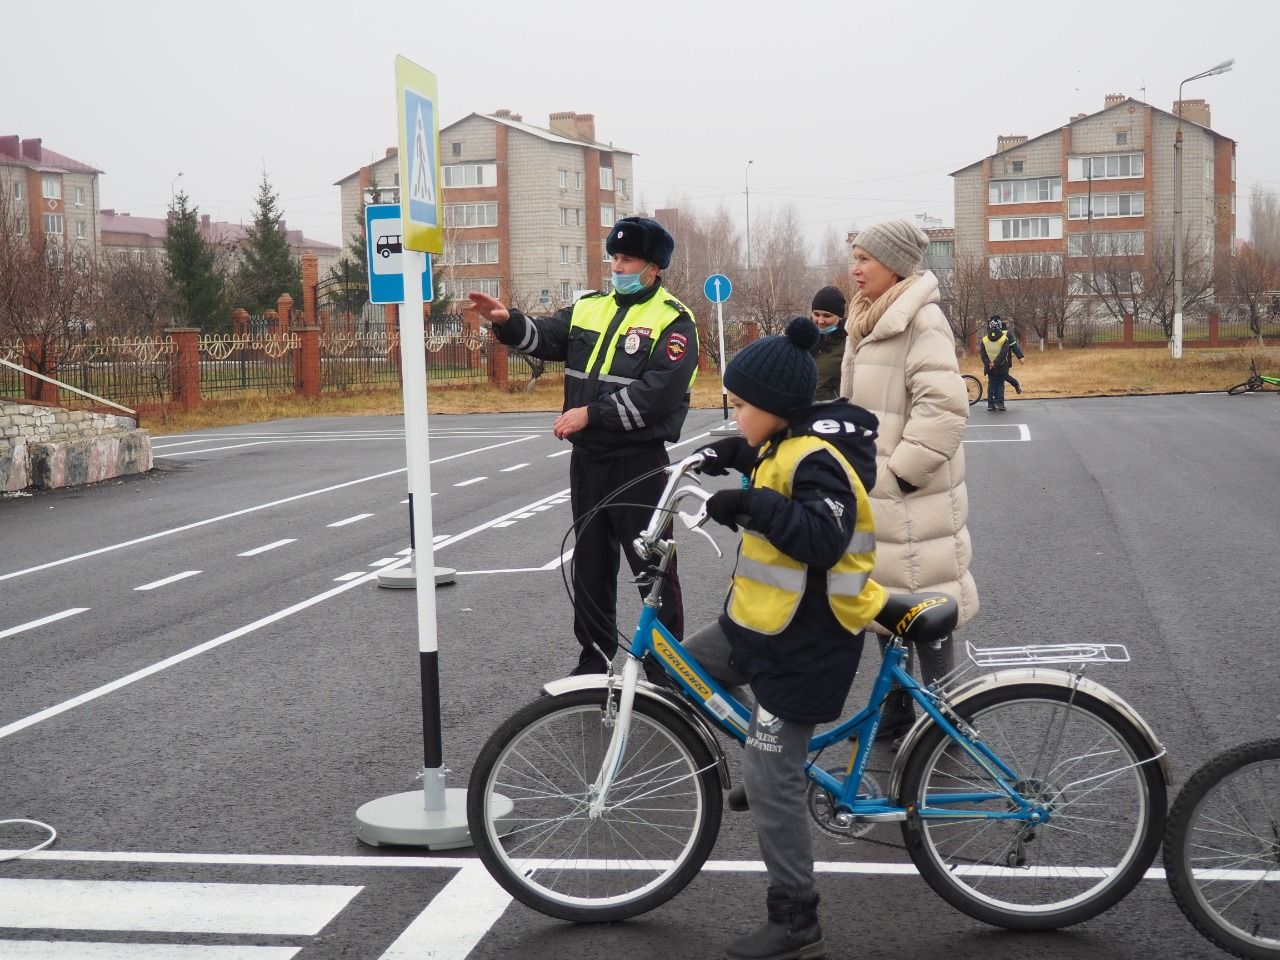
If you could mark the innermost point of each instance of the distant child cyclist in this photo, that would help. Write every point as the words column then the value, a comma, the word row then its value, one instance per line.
column 999, row 347
column 792, row 627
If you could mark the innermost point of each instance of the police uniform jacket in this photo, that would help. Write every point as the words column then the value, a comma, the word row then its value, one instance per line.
column 630, row 360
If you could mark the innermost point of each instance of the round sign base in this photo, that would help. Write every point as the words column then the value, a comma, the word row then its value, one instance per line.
column 406, row 578
column 400, row 821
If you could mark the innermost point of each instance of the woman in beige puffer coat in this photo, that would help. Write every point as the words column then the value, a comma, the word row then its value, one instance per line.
column 900, row 363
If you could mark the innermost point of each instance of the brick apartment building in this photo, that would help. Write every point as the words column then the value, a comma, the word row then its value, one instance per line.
column 1102, row 183
column 50, row 196
column 527, row 208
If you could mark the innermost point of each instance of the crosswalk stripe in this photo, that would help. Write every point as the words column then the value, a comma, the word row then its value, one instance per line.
column 456, row 920
column 287, row 909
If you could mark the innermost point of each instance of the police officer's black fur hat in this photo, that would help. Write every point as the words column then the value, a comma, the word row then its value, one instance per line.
column 643, row 238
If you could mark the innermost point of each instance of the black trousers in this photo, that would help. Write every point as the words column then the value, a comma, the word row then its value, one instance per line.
column 592, row 481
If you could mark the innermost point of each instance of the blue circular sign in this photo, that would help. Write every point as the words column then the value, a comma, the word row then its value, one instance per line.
column 717, row 288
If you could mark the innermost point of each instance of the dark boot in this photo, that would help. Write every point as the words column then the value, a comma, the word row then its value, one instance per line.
column 792, row 931
column 936, row 660
column 738, row 800
column 897, row 717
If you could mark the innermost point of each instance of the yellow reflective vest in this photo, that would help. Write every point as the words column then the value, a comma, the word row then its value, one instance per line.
column 992, row 348
column 626, row 354
column 768, row 584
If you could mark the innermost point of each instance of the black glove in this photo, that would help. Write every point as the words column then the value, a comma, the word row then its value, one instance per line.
column 722, row 455
column 725, row 505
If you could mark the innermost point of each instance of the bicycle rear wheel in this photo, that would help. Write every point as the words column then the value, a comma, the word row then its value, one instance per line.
column 974, row 387
column 1247, row 387
column 1086, row 763
column 657, row 830
column 1222, row 850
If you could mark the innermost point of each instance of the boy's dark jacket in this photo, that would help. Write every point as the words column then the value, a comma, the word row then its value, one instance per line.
column 804, row 673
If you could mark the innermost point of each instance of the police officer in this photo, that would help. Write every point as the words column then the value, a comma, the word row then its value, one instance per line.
column 999, row 347
column 630, row 357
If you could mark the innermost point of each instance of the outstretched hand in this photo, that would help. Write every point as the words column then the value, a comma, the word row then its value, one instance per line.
column 490, row 308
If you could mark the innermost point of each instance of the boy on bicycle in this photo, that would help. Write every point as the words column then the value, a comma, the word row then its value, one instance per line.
column 801, row 594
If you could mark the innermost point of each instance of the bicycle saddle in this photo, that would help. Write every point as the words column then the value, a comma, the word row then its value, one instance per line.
column 919, row 617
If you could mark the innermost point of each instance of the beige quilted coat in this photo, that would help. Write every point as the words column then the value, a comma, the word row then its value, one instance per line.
column 905, row 372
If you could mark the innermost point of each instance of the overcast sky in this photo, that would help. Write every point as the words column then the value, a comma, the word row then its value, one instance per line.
column 851, row 112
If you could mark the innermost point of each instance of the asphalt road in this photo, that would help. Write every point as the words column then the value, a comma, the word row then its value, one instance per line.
column 200, row 681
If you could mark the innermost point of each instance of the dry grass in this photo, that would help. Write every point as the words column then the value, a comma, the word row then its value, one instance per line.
column 1052, row 373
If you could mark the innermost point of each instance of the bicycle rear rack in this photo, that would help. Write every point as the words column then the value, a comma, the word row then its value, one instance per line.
column 1031, row 655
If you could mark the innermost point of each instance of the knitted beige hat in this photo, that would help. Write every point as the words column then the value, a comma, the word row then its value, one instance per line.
column 898, row 244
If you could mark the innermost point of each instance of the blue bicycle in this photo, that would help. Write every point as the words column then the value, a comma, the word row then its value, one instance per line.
column 1028, row 798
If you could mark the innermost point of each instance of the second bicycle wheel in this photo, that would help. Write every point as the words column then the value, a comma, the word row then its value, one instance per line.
column 973, row 386
column 1247, row 387
column 1222, row 850
column 1082, row 760
column 656, row 831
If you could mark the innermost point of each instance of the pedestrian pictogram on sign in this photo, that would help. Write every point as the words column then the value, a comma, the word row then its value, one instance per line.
column 423, row 187
column 416, row 98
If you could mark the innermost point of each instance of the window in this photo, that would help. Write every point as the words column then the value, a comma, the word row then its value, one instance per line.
column 470, row 214
column 604, row 249
column 80, row 230
column 455, row 148
column 53, row 224
column 470, row 175
column 1025, row 228
column 1110, row 166
column 577, row 254
column 564, row 253
column 1122, row 282
column 564, row 179
column 20, row 225
column 1129, row 244
column 1017, row 166
column 1122, row 137
column 1106, row 205
column 577, row 179
column 570, row 216
column 606, row 178
column 486, row 285
column 79, row 196
column 51, row 186
column 1044, row 190
column 1024, row 267
column 566, row 290
column 17, row 189
column 607, row 217
column 484, row 252
column 622, row 187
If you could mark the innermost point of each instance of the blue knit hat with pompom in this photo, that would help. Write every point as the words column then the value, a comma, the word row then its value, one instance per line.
column 777, row 374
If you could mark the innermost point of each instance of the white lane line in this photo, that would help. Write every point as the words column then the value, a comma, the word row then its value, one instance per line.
column 383, row 562
column 560, row 453
column 467, row 483
column 559, row 561
column 349, row 576
column 168, row 580
column 241, row 513
column 554, row 564
column 267, row 546
column 518, row 466
column 259, row 443
column 356, row 519
column 455, row 921
column 79, row 950
column 255, row 908
column 195, row 651
column 525, row 516
column 32, row 624
column 506, row 523
column 1024, row 433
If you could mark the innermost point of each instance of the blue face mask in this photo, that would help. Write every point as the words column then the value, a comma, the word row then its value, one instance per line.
column 827, row 331
column 628, row 283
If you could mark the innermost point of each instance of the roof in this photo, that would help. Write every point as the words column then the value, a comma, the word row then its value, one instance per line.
column 216, row 232
column 49, row 160
column 1127, row 101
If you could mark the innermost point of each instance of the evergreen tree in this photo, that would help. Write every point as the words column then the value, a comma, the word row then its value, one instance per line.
column 267, row 267
column 198, row 288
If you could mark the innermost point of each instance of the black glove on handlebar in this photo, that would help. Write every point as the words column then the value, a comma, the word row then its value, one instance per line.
column 724, row 506
column 729, row 452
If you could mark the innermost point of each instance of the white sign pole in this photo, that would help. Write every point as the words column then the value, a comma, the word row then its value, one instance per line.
column 724, row 391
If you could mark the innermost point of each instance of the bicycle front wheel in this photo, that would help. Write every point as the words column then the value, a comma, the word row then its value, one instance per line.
column 1222, row 850
column 656, row 830
column 974, row 387
column 1247, row 387
column 1079, row 758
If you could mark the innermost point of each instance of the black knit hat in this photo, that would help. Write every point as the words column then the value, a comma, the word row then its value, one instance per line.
column 643, row 238
column 829, row 300
column 777, row 374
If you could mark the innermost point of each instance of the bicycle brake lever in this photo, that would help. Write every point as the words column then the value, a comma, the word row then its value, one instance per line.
column 694, row 521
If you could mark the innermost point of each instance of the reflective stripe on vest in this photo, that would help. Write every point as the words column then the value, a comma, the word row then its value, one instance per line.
column 596, row 313
column 768, row 585
column 988, row 343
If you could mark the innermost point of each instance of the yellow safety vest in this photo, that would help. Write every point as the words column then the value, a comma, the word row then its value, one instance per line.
column 768, row 584
column 647, row 321
column 992, row 348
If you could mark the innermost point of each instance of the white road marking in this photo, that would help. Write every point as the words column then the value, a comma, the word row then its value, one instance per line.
column 79, row 950
column 467, row 483
column 241, row 513
column 553, row 565
column 559, row 561
column 255, row 908
column 195, row 651
column 168, row 580
column 518, row 466
column 383, row 562
column 349, row 576
column 356, row 519
column 1024, row 433
column 32, row 624
column 455, row 921
column 506, row 523
column 559, row 453
column 525, row 516
column 265, row 547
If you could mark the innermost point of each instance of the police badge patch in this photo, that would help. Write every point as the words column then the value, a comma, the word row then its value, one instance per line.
column 632, row 343
column 676, row 346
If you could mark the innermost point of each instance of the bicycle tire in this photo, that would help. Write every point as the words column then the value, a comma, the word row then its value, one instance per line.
column 1222, row 850
column 557, row 860
column 1106, row 806
column 973, row 386
column 1247, row 387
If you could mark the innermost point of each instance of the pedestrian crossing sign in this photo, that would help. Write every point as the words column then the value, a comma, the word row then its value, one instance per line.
column 416, row 102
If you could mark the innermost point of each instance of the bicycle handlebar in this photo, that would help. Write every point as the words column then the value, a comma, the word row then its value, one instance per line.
column 672, row 495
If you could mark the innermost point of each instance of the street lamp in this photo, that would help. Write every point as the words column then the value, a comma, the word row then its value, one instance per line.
column 1175, row 343
column 746, row 177
column 172, row 183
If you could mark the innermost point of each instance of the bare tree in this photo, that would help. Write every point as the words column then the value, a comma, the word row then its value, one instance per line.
column 1264, row 223
column 779, row 285
column 1254, row 277
column 967, row 294
column 1157, row 279
column 136, row 298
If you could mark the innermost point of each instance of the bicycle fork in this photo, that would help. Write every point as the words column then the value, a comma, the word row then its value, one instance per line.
column 621, row 721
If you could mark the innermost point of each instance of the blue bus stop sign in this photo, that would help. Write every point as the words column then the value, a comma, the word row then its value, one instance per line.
column 717, row 288
column 383, row 248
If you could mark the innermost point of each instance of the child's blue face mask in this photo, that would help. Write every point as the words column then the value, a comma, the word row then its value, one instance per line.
column 827, row 331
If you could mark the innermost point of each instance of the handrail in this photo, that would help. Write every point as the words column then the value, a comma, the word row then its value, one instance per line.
column 66, row 386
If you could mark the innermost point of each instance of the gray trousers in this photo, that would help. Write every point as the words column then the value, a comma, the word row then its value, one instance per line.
column 773, row 764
